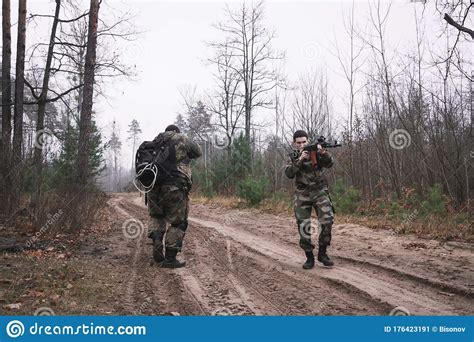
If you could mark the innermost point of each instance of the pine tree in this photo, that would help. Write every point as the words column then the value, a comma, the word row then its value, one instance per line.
column 134, row 132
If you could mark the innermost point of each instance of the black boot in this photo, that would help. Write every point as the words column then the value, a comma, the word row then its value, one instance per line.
column 157, row 238
column 170, row 259
column 323, row 257
column 309, row 261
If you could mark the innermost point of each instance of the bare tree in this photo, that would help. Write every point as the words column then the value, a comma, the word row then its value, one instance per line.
column 382, row 116
column 310, row 106
column 42, row 100
column 350, row 65
column 226, row 103
column 6, row 106
column 248, row 41
column 86, row 111
column 17, row 179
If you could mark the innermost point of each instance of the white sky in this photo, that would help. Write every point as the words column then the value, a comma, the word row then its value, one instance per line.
column 172, row 51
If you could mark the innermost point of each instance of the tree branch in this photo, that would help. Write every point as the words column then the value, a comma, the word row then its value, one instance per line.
column 461, row 28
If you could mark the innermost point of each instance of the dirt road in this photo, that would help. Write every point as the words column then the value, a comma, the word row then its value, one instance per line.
column 240, row 262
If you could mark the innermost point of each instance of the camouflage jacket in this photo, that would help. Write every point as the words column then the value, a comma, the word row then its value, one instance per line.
column 306, row 178
column 186, row 149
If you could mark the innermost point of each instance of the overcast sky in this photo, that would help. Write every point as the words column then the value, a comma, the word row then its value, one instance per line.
column 171, row 52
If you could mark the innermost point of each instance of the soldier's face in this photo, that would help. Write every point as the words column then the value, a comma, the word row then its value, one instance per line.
column 301, row 142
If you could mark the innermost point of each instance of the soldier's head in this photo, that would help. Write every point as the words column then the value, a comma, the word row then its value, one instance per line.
column 300, row 139
column 172, row 128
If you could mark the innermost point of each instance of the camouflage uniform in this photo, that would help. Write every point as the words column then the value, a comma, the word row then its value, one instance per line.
column 169, row 201
column 311, row 191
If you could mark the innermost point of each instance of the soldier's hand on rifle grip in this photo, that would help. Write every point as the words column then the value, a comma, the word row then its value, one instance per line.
column 304, row 155
column 321, row 150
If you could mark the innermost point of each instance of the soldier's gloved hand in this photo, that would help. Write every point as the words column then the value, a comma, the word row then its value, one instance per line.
column 304, row 155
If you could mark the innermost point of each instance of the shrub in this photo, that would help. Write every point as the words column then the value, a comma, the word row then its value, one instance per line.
column 435, row 202
column 346, row 199
column 252, row 190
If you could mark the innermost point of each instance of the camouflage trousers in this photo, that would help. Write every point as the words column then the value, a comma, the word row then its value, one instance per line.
column 169, row 204
column 305, row 201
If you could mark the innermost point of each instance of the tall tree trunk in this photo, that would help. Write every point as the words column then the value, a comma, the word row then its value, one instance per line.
column 86, row 111
column 38, row 154
column 17, row 172
column 5, row 146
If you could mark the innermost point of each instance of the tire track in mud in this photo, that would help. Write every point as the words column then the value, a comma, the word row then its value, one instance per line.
column 381, row 284
column 284, row 290
column 216, row 286
column 116, row 204
column 204, row 289
column 223, row 294
column 230, row 278
column 410, row 268
column 159, row 291
column 461, row 291
column 236, row 271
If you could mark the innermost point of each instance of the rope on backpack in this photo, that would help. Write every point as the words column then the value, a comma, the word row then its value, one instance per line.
column 139, row 185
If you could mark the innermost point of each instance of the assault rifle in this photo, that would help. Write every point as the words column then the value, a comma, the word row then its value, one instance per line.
column 313, row 150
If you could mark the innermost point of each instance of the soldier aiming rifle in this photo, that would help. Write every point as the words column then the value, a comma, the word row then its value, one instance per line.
column 311, row 191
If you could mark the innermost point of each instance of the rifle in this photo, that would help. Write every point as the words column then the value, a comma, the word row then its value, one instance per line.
column 313, row 150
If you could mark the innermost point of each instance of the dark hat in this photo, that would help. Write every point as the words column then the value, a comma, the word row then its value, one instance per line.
column 173, row 128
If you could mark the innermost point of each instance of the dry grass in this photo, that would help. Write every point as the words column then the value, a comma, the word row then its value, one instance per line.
column 268, row 206
column 432, row 227
column 229, row 202
column 61, row 272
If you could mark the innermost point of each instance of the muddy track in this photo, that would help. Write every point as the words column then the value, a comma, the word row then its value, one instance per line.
column 240, row 264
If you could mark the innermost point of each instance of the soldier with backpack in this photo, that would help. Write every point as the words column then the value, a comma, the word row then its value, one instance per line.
column 169, row 156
